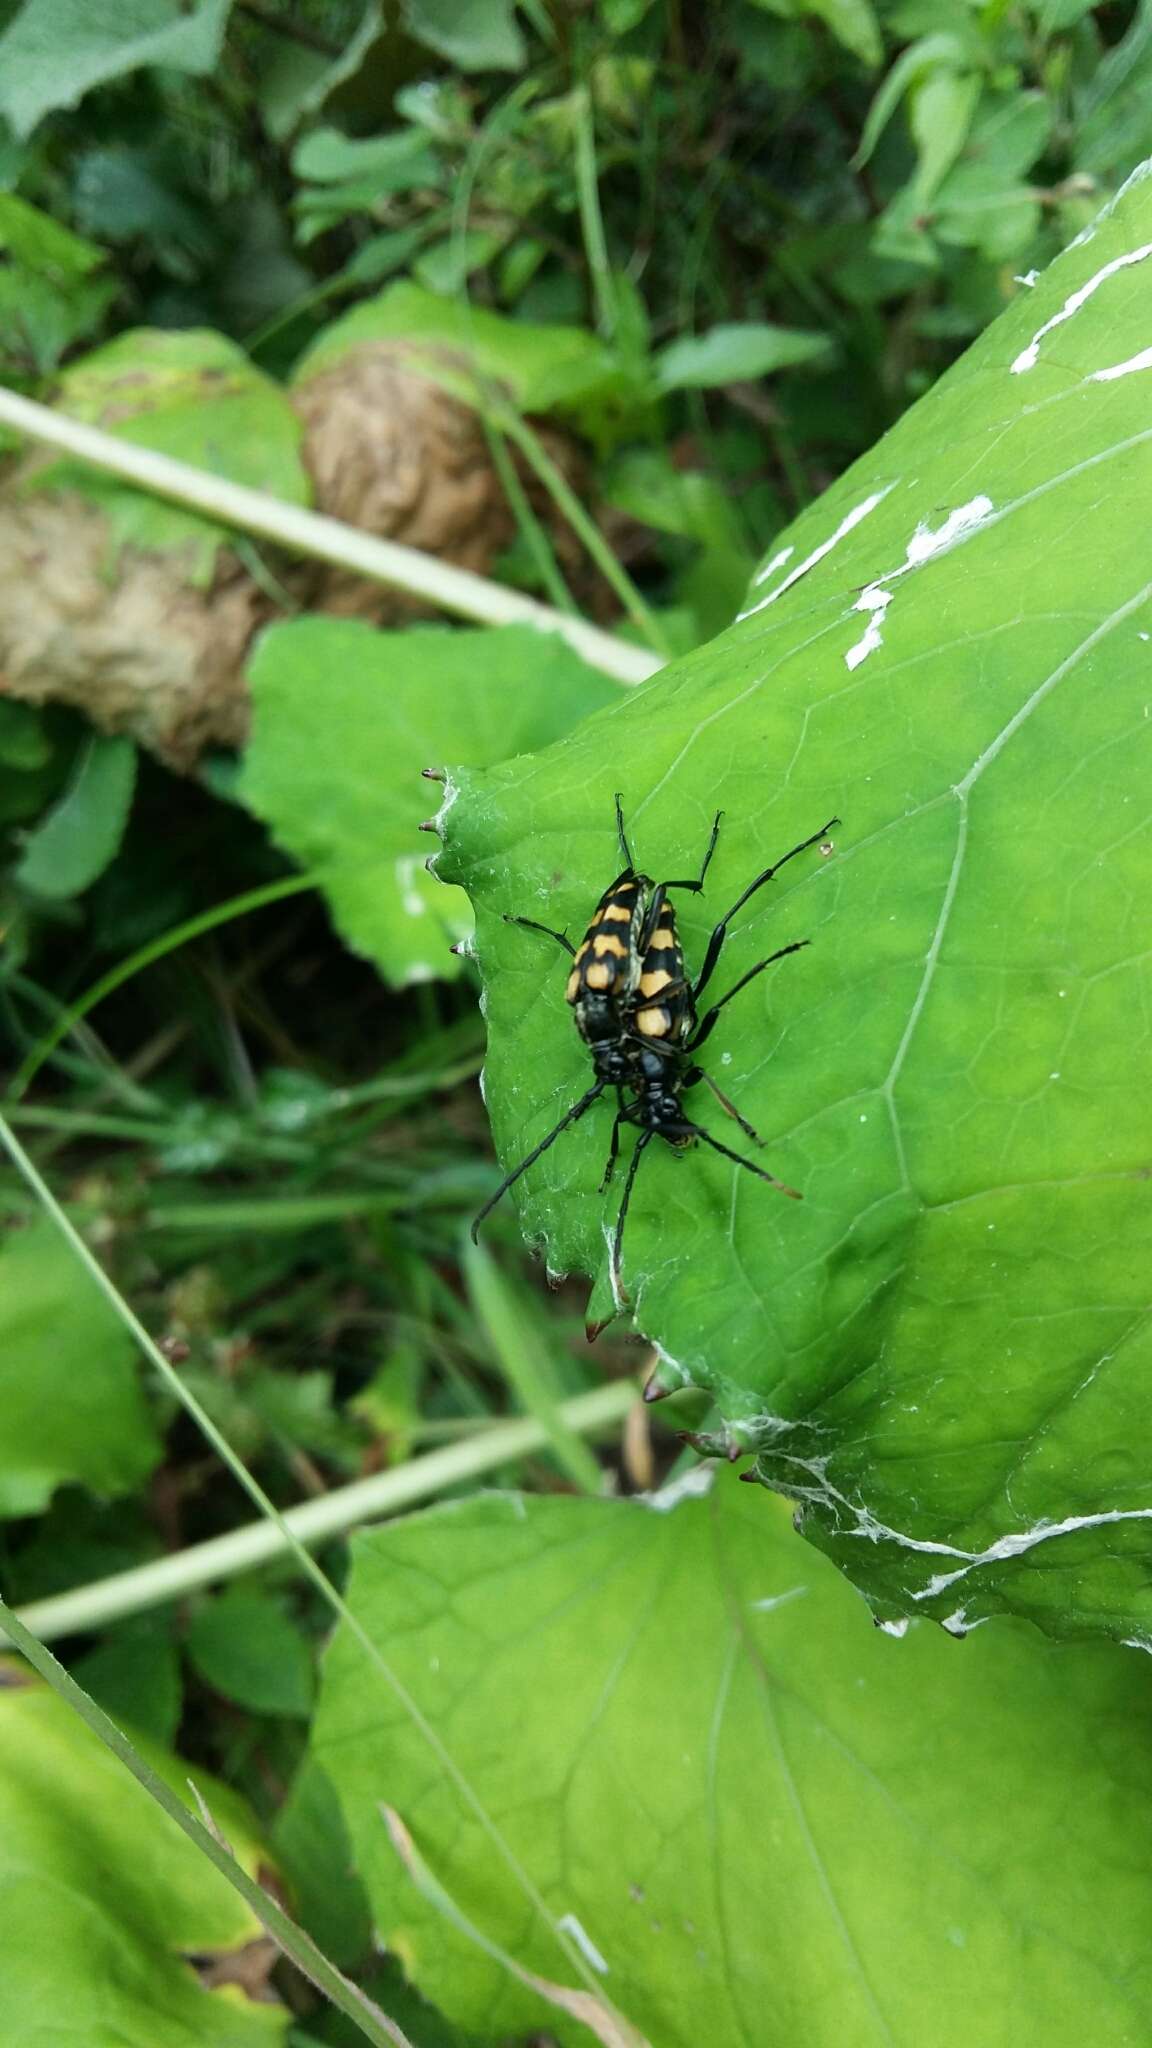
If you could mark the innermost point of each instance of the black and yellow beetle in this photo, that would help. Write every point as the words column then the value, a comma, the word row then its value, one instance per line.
column 636, row 1009
column 628, row 956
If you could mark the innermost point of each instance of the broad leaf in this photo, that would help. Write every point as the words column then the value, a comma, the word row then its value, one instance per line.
column 245, row 1646
column 446, row 266
column 344, row 720
column 49, row 296
column 71, row 1407
column 983, row 203
column 33, row 760
column 478, row 35
column 311, row 1842
column 761, row 1820
column 55, row 51
column 114, row 1929
column 944, row 49
column 295, row 80
column 75, row 842
column 726, row 355
column 134, row 1674
column 32, row 238
column 852, row 22
column 940, row 117
column 388, row 163
column 352, row 175
column 943, row 1351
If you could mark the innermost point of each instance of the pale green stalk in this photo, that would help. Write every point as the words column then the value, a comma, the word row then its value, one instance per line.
column 532, row 531
column 326, row 540
column 385, row 1493
column 525, row 1365
column 591, row 218
column 583, row 525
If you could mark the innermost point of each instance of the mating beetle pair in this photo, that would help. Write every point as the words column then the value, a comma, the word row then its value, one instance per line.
column 636, row 1010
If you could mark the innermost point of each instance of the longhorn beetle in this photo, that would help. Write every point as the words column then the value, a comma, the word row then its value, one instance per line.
column 635, row 1008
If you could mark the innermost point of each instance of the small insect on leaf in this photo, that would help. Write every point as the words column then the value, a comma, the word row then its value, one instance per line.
column 635, row 1006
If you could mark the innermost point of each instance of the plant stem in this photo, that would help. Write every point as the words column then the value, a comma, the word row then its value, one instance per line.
column 385, row 1493
column 524, row 1364
column 328, row 540
column 591, row 218
column 79, row 1123
column 583, row 525
column 531, row 531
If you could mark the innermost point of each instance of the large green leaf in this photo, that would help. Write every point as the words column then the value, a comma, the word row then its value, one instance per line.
column 944, row 1350
column 71, row 1407
column 344, row 720
column 55, row 51
column 763, row 1821
column 113, row 1929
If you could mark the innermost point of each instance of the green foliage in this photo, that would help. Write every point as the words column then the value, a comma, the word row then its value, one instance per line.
column 30, row 762
column 719, row 250
column 345, row 718
column 134, row 1674
column 72, row 1407
column 729, row 355
column 520, row 1340
column 298, row 76
column 747, row 1800
column 75, row 841
column 312, row 1845
column 951, row 1345
column 54, row 51
column 50, row 297
column 478, row 35
column 245, row 1646
column 104, row 1900
column 352, row 176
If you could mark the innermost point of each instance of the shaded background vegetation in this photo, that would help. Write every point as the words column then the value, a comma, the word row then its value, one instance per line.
column 774, row 226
